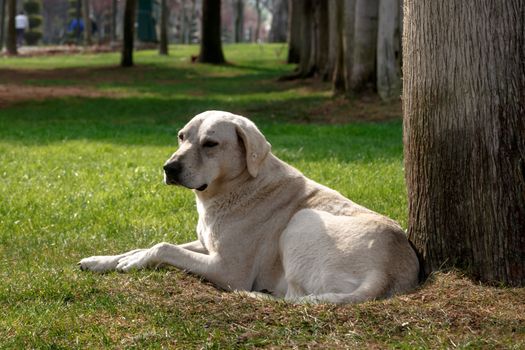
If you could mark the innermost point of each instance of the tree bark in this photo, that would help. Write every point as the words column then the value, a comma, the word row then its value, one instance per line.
column 389, row 51
column 336, row 9
column 211, row 45
column 163, row 47
column 294, row 31
column 87, row 23
column 464, row 135
column 279, row 28
column 11, row 29
column 365, row 45
column 129, row 33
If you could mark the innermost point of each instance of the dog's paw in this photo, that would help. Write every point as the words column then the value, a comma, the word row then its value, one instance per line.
column 98, row 263
column 137, row 261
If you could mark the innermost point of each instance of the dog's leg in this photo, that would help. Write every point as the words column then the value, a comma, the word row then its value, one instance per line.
column 104, row 263
column 211, row 267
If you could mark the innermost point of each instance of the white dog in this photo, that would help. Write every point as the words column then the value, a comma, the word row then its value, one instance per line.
column 264, row 226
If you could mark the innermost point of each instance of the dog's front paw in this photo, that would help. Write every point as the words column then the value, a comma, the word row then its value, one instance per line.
column 98, row 263
column 137, row 261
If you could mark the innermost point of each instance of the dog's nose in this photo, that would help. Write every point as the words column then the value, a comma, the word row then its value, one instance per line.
column 172, row 168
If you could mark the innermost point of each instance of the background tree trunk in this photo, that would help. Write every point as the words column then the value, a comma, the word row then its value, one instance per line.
column 389, row 51
column 464, row 135
column 239, row 21
column 113, row 21
column 294, row 31
column 279, row 28
column 322, row 41
column 2, row 23
column 336, row 14
column 11, row 29
column 258, row 21
column 129, row 33
column 211, row 46
column 335, row 34
column 163, row 47
column 87, row 23
column 348, row 42
column 307, row 54
column 365, row 45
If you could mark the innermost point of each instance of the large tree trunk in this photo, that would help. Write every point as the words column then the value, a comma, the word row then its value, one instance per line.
column 464, row 135
column 389, row 51
column 11, row 29
column 87, row 23
column 211, row 45
column 279, row 29
column 163, row 47
column 129, row 33
column 365, row 45
column 294, row 31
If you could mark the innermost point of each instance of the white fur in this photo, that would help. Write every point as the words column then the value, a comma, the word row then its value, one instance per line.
column 263, row 226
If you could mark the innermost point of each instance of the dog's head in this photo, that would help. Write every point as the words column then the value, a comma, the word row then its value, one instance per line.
column 216, row 147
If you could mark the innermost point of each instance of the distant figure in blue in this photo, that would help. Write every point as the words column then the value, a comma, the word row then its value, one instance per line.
column 76, row 26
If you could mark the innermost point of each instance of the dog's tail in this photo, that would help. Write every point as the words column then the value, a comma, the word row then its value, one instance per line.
column 375, row 286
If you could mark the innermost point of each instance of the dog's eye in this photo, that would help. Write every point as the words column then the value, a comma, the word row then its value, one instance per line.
column 210, row 144
column 181, row 137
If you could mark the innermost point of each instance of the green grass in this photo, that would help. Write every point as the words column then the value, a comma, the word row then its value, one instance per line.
column 81, row 175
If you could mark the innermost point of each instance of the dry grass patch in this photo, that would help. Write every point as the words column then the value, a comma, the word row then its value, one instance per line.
column 448, row 311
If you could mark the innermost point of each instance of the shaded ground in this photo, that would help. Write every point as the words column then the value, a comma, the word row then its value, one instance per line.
column 19, row 85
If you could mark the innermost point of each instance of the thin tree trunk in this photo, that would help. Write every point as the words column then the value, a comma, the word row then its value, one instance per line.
column 388, row 51
column 307, row 62
column 464, row 135
column 163, row 47
column 211, row 45
column 2, row 24
column 11, row 29
column 336, row 8
column 365, row 45
column 294, row 31
column 279, row 29
column 323, row 41
column 129, row 33
column 258, row 22
column 239, row 20
column 113, row 21
column 335, row 33
column 182, row 23
column 87, row 23
column 348, row 43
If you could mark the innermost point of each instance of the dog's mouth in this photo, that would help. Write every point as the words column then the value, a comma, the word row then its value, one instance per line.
column 202, row 188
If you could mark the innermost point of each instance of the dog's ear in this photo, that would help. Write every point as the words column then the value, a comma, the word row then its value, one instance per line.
column 257, row 148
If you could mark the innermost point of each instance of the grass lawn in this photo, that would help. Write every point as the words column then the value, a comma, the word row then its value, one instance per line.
column 82, row 143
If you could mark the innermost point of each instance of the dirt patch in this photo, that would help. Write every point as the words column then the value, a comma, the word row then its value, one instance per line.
column 13, row 93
